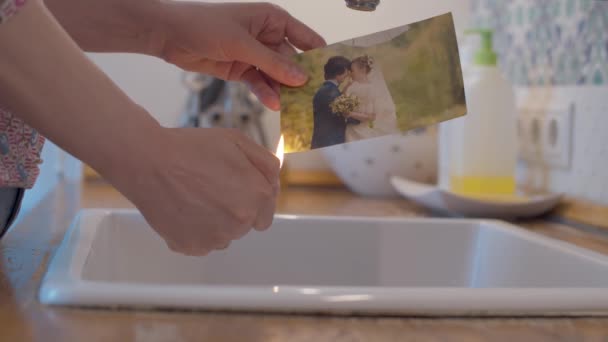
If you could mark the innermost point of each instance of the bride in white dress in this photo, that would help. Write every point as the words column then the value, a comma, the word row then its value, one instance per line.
column 376, row 109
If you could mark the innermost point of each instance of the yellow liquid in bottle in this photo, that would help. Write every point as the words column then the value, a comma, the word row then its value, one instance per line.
column 492, row 188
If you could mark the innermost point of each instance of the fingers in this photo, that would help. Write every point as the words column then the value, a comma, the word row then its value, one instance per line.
column 276, row 87
column 265, row 201
column 254, row 207
column 268, row 182
column 223, row 203
column 265, row 217
column 266, row 214
column 263, row 185
column 286, row 49
column 225, row 246
column 266, row 89
column 203, row 245
column 188, row 251
column 274, row 64
column 267, row 163
column 302, row 36
column 267, row 93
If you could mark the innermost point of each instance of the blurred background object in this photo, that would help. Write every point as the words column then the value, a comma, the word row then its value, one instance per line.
column 363, row 5
column 213, row 102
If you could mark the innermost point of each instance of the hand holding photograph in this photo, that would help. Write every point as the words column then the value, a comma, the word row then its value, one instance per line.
column 380, row 84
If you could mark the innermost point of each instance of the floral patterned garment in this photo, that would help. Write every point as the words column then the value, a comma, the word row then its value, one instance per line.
column 20, row 145
column 8, row 8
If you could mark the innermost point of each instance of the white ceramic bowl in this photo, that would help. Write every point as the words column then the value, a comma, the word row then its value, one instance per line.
column 367, row 166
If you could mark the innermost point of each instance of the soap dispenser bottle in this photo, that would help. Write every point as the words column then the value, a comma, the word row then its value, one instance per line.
column 483, row 143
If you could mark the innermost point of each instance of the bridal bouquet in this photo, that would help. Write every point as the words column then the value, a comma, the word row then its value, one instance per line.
column 344, row 104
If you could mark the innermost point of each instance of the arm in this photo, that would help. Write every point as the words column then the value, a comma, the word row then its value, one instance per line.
column 216, row 184
column 352, row 121
column 347, row 86
column 110, row 25
column 249, row 42
column 53, row 87
column 363, row 117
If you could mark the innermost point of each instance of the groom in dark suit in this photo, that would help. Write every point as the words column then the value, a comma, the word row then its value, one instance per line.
column 330, row 128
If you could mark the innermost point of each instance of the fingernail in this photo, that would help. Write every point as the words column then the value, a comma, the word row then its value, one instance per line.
column 297, row 74
column 267, row 94
column 320, row 42
column 273, row 102
column 269, row 98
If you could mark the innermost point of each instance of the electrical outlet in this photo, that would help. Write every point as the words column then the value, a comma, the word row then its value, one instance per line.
column 545, row 135
column 528, row 130
column 557, row 137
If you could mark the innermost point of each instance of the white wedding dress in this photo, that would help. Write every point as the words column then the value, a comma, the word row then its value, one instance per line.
column 374, row 97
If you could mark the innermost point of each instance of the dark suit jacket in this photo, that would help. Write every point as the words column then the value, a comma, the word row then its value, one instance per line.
column 329, row 128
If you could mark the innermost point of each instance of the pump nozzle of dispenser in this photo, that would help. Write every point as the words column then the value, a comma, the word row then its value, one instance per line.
column 485, row 55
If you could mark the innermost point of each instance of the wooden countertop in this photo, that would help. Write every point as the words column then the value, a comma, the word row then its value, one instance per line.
column 27, row 248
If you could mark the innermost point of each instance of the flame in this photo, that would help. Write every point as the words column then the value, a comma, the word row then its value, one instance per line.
column 281, row 150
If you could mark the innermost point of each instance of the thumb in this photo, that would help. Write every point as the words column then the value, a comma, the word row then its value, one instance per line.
column 274, row 64
column 262, row 159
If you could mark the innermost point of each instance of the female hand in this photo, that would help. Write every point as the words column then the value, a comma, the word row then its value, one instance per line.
column 202, row 189
column 347, row 84
column 247, row 42
column 199, row 189
column 363, row 117
column 244, row 42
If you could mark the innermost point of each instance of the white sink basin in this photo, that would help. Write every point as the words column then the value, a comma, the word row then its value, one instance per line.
column 333, row 265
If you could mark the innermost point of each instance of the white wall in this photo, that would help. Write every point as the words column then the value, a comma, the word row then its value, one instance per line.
column 149, row 81
column 585, row 176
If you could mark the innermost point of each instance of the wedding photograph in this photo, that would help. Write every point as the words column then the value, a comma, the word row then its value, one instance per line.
column 381, row 84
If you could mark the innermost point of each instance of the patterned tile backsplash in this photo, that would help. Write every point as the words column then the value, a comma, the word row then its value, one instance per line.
column 548, row 42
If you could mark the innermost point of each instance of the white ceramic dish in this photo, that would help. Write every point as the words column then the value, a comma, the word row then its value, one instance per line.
column 438, row 199
column 331, row 265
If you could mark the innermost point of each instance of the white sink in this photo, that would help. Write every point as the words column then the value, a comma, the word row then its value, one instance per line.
column 333, row 265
